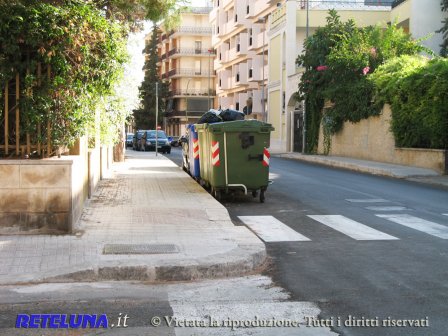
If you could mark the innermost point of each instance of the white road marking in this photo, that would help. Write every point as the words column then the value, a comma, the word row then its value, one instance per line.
column 270, row 229
column 419, row 224
column 352, row 228
column 445, row 214
column 248, row 298
column 387, row 208
column 367, row 200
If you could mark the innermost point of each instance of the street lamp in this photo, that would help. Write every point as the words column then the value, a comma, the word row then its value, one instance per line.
column 263, row 107
column 209, row 74
column 186, row 104
column 304, row 102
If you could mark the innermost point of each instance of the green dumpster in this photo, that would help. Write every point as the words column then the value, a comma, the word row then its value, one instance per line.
column 234, row 155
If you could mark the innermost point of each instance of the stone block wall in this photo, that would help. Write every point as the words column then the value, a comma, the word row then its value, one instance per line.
column 35, row 196
column 372, row 139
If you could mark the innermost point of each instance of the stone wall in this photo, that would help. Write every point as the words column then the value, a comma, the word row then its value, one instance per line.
column 48, row 195
column 371, row 139
column 35, row 196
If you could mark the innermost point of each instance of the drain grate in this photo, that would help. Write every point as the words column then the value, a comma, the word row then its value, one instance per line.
column 140, row 249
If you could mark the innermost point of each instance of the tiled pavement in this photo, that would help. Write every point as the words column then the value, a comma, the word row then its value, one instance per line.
column 146, row 200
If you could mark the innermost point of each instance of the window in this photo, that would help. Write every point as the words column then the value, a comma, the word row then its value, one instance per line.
column 197, row 47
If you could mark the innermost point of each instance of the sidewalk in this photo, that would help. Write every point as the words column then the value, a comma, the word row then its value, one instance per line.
column 415, row 174
column 148, row 221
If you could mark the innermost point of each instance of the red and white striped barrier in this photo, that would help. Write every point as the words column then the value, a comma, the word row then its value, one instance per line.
column 266, row 157
column 195, row 148
column 215, row 154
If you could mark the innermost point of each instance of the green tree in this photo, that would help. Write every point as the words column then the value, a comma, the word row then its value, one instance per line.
column 444, row 30
column 145, row 116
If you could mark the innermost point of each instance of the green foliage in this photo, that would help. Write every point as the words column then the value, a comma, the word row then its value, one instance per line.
column 83, row 52
column 417, row 90
column 146, row 115
column 338, row 59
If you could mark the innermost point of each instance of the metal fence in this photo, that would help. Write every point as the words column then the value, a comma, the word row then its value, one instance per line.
column 18, row 137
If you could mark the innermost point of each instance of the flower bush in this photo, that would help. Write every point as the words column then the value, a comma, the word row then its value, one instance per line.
column 350, row 55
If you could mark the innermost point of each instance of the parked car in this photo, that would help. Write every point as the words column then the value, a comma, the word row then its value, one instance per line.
column 129, row 140
column 182, row 139
column 174, row 141
column 136, row 139
column 148, row 141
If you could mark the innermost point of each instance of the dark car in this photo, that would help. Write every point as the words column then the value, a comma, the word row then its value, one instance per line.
column 129, row 140
column 182, row 139
column 174, row 141
column 136, row 139
column 148, row 141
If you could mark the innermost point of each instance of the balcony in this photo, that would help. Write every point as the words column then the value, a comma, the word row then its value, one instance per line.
column 192, row 92
column 178, row 52
column 190, row 72
column 200, row 10
column 191, row 30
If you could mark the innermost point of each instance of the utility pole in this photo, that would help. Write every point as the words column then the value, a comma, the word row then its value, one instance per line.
column 263, row 106
column 304, row 102
column 157, row 115
column 209, row 75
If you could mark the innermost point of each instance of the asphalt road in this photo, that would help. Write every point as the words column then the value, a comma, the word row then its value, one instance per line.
column 372, row 285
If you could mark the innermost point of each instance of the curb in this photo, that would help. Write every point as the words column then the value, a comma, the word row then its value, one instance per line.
column 381, row 171
column 230, row 264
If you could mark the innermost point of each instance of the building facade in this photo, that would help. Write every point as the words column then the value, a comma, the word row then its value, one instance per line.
column 240, row 42
column 422, row 19
column 186, row 62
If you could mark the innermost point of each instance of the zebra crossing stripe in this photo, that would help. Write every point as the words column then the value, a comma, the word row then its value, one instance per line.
column 418, row 224
column 270, row 229
column 367, row 200
column 387, row 208
column 352, row 228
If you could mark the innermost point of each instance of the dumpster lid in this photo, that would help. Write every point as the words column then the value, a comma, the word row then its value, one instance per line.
column 237, row 126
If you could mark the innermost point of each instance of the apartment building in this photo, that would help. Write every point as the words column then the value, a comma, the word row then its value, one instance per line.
column 186, row 61
column 240, row 41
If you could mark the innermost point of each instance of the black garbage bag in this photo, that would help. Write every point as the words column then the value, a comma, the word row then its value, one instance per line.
column 210, row 117
column 231, row 115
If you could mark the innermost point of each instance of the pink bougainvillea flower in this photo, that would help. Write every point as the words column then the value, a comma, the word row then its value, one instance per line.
column 321, row 68
column 366, row 70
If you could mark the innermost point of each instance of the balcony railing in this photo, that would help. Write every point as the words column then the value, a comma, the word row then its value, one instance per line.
column 193, row 92
column 193, row 30
column 190, row 72
column 346, row 4
column 199, row 10
column 191, row 51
